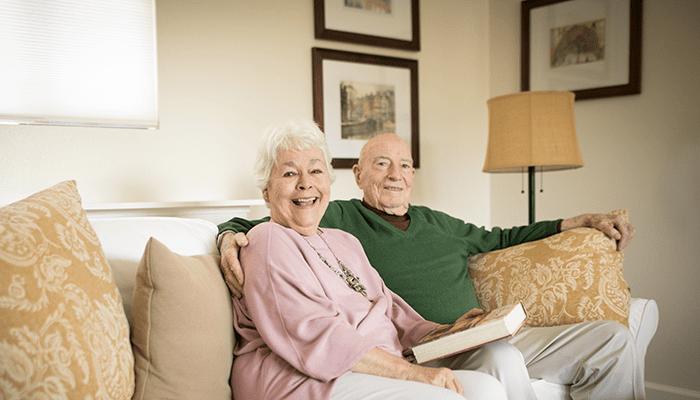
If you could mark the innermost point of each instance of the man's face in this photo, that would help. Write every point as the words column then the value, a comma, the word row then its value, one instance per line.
column 385, row 174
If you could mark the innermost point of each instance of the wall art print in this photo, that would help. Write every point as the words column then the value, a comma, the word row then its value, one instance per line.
column 358, row 96
column 384, row 23
column 589, row 47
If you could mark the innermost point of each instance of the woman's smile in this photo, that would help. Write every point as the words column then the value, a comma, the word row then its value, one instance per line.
column 305, row 202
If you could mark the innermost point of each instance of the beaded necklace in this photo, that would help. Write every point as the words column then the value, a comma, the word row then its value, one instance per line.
column 350, row 279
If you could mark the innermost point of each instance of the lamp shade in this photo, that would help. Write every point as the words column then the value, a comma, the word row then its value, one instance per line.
column 532, row 129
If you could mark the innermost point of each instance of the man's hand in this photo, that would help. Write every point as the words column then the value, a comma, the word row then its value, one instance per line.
column 230, row 266
column 613, row 226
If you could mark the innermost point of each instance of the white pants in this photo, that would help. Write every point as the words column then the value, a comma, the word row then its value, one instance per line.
column 598, row 359
column 356, row 386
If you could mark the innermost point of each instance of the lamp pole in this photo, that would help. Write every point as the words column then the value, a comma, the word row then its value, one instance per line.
column 531, row 194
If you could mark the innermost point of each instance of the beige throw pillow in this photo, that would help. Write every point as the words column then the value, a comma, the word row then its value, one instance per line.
column 570, row 277
column 63, row 333
column 182, row 327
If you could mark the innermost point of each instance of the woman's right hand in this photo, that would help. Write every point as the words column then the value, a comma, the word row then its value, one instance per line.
column 379, row 362
column 230, row 266
column 442, row 377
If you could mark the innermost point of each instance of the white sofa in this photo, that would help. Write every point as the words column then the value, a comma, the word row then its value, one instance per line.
column 124, row 240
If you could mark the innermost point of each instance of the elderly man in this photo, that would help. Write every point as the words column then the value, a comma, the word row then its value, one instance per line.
column 422, row 256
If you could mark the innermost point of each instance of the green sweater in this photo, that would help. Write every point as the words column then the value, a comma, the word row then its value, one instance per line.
column 427, row 264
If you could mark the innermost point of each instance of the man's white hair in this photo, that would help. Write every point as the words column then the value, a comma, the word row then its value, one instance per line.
column 298, row 134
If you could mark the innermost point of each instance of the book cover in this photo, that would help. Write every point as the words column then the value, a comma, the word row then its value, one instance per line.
column 467, row 335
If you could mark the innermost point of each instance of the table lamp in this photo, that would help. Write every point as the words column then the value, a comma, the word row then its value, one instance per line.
column 533, row 130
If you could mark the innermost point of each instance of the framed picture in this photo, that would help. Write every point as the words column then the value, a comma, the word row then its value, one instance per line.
column 383, row 23
column 358, row 96
column 590, row 47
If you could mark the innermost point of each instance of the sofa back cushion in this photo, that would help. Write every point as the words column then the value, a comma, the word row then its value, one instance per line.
column 63, row 332
column 124, row 241
column 182, row 327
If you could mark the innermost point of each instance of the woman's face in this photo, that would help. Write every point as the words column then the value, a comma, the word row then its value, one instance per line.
column 299, row 190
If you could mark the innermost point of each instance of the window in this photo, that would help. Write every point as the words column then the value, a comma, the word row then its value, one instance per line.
column 78, row 63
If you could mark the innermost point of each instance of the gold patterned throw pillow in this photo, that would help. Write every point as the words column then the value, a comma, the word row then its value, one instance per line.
column 63, row 334
column 567, row 278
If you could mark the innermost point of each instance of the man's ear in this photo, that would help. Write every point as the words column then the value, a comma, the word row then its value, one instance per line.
column 356, row 170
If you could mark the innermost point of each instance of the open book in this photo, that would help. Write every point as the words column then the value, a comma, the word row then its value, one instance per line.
column 489, row 327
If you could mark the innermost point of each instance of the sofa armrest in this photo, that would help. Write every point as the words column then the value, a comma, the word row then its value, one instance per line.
column 643, row 321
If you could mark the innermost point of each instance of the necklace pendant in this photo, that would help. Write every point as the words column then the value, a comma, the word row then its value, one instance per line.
column 350, row 279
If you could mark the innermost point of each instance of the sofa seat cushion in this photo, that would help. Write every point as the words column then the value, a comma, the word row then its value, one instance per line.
column 570, row 277
column 63, row 332
column 182, row 326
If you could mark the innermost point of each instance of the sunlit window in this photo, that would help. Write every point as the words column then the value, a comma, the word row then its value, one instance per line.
column 78, row 63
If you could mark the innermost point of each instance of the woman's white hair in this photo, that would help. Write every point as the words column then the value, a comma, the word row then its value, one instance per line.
column 299, row 134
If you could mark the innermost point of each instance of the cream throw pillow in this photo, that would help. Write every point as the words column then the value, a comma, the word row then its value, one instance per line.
column 182, row 327
column 63, row 334
column 570, row 277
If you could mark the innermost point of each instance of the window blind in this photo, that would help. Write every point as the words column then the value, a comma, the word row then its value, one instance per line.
column 78, row 63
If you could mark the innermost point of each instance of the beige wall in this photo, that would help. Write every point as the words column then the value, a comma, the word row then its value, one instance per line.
column 642, row 153
column 228, row 68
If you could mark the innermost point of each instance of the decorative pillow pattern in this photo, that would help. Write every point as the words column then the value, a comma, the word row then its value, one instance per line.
column 570, row 277
column 63, row 334
column 182, row 327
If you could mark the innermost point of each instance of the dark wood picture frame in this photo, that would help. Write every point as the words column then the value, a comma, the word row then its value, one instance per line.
column 384, row 64
column 323, row 32
column 633, row 86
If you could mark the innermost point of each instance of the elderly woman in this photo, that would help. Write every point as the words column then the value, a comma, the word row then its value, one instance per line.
column 316, row 321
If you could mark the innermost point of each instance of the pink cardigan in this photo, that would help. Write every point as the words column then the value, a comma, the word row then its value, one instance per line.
column 300, row 326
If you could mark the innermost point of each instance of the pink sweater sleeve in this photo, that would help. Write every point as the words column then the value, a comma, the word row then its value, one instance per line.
column 405, row 320
column 290, row 307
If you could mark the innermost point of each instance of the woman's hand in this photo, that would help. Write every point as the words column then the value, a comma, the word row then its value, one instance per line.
column 379, row 362
column 442, row 377
column 474, row 315
column 471, row 314
column 230, row 266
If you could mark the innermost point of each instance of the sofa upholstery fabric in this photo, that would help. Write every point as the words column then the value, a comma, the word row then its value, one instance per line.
column 63, row 333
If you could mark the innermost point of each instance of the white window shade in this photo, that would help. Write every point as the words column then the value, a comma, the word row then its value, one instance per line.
column 78, row 63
